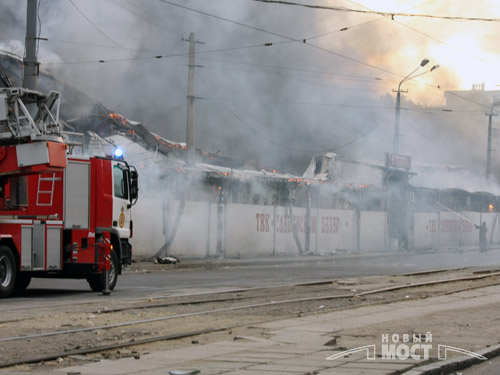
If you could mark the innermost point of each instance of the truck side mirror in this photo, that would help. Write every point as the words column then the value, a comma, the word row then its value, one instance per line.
column 134, row 186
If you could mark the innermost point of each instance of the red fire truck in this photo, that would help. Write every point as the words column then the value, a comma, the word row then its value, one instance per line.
column 61, row 216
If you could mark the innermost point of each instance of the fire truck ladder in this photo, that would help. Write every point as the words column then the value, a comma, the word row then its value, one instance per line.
column 16, row 119
column 50, row 192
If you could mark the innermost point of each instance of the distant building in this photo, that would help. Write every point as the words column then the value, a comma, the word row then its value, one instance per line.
column 469, row 99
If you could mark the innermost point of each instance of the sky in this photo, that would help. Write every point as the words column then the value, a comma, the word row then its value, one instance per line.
column 279, row 84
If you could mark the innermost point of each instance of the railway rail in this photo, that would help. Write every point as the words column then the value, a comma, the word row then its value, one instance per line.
column 195, row 314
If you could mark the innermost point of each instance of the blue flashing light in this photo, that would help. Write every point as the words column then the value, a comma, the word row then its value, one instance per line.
column 118, row 154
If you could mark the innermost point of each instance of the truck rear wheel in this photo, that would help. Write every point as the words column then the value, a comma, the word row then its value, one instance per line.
column 7, row 271
column 98, row 282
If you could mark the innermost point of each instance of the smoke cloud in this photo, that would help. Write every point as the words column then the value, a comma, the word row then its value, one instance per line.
column 315, row 81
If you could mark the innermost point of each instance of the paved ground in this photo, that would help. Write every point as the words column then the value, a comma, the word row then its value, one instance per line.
column 301, row 345
column 144, row 278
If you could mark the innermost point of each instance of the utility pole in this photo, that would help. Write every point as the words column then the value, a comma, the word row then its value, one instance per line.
column 190, row 100
column 488, row 150
column 424, row 62
column 30, row 59
column 395, row 144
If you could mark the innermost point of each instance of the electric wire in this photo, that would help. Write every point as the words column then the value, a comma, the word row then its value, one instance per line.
column 446, row 44
column 362, row 135
column 93, row 24
column 439, row 41
column 263, row 136
column 242, row 122
column 289, row 39
column 228, row 20
column 317, row 73
column 385, row 14
column 159, row 56
column 428, row 35
column 304, row 41
column 99, row 45
column 150, row 17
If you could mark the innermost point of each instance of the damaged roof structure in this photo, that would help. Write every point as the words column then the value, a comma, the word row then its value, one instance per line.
column 103, row 128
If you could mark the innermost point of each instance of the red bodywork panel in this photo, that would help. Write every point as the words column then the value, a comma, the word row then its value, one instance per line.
column 103, row 192
column 56, row 160
column 40, row 211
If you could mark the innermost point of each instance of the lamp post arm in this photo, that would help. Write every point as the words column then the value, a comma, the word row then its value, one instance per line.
column 494, row 105
column 408, row 77
column 395, row 145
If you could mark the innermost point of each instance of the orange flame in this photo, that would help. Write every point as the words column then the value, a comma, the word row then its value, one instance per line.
column 116, row 116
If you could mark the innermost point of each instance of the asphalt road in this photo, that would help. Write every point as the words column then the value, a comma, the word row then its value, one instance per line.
column 138, row 284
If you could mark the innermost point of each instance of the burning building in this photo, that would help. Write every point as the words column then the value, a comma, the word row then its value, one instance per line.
column 224, row 207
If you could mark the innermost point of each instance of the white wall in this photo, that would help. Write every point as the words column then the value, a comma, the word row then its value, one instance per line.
column 247, row 230
column 336, row 231
column 373, row 226
column 425, row 230
column 258, row 230
column 148, row 228
column 449, row 229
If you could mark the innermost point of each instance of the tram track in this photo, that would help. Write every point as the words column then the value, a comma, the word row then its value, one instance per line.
column 250, row 306
column 201, row 321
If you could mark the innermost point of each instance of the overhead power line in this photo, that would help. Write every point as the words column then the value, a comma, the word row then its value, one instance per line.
column 226, row 20
column 160, row 56
column 93, row 24
column 288, row 39
column 428, row 35
column 287, row 146
column 97, row 45
column 385, row 14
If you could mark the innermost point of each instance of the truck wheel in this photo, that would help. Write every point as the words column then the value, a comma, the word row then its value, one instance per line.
column 22, row 281
column 97, row 282
column 7, row 271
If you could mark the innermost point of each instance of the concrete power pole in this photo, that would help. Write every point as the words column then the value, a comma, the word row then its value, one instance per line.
column 190, row 100
column 488, row 150
column 30, row 59
column 190, row 103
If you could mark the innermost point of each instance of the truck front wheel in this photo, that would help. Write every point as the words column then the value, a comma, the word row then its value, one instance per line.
column 98, row 282
column 7, row 271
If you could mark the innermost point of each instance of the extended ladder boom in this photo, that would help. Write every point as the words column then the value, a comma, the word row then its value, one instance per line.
column 28, row 115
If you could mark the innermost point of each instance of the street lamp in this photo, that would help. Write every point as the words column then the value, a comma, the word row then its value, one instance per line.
column 488, row 150
column 424, row 62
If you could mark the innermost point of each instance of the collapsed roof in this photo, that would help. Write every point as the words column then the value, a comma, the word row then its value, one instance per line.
column 337, row 169
column 81, row 113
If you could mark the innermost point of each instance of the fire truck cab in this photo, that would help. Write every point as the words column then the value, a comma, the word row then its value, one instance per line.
column 61, row 216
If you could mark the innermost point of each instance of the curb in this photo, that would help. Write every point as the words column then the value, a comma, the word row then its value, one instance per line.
column 216, row 263
column 455, row 364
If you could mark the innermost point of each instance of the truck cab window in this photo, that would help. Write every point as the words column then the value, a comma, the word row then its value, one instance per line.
column 18, row 192
column 120, row 185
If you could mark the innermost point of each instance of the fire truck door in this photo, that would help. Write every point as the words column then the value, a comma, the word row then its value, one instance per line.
column 33, row 247
column 41, row 247
column 121, row 199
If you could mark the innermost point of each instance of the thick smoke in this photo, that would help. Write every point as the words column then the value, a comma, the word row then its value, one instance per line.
column 284, row 103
